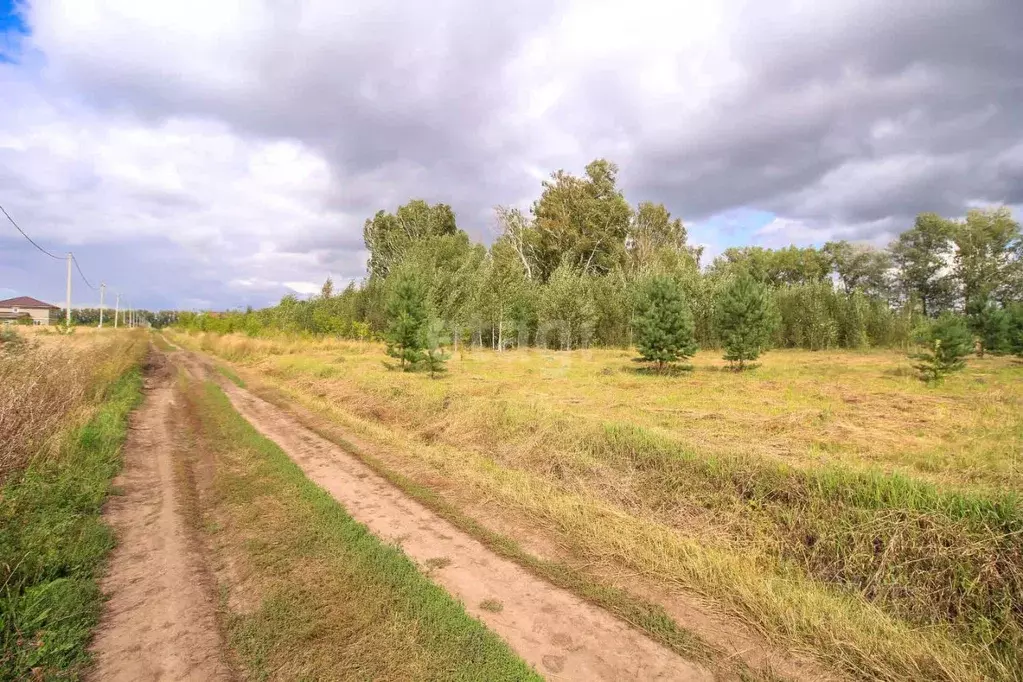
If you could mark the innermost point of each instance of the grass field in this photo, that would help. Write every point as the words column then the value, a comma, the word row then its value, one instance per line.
column 310, row 593
column 830, row 500
column 64, row 404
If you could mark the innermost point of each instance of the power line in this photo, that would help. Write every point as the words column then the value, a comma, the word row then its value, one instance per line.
column 41, row 249
column 84, row 278
column 26, row 236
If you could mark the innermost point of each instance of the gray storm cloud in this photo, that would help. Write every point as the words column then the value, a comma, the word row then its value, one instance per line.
column 842, row 118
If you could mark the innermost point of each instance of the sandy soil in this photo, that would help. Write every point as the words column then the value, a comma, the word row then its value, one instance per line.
column 562, row 636
column 160, row 620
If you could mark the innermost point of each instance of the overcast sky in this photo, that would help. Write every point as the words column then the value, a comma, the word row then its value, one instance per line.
column 200, row 154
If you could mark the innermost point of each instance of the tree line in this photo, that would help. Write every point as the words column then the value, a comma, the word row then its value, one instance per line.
column 577, row 267
column 89, row 317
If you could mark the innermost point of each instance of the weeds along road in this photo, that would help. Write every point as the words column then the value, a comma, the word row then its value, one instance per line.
column 161, row 620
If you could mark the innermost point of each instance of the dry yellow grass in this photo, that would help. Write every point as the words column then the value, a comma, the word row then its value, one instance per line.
column 51, row 383
column 759, row 491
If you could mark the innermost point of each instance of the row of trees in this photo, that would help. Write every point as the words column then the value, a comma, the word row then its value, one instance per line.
column 574, row 271
column 89, row 317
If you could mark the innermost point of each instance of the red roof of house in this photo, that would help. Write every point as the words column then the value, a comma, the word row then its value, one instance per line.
column 25, row 302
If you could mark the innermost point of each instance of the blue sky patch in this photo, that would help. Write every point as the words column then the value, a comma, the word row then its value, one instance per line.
column 10, row 20
column 735, row 227
column 11, row 27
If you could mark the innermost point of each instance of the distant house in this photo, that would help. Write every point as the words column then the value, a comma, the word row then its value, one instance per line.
column 25, row 308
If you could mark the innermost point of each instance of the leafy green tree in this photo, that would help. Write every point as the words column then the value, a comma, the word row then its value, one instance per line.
column 388, row 236
column 945, row 343
column 988, row 252
column 922, row 256
column 408, row 316
column 810, row 315
column 756, row 261
column 791, row 265
column 503, row 283
column 521, row 236
column 613, row 297
column 745, row 320
column 990, row 324
column 653, row 231
column 583, row 222
column 663, row 323
column 860, row 266
column 566, row 309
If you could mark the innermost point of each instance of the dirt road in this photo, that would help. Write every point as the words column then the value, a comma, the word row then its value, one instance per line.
column 562, row 636
column 160, row 620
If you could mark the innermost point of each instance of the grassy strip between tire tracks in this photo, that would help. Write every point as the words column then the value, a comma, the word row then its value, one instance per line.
column 313, row 594
column 53, row 544
column 644, row 615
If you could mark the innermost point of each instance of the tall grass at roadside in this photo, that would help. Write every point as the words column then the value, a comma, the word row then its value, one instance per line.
column 933, row 557
column 52, row 539
column 46, row 384
column 328, row 599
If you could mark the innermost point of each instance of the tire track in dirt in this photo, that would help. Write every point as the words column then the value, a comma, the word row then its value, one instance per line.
column 562, row 636
column 160, row 620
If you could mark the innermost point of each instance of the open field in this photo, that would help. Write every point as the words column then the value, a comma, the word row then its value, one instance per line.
column 831, row 502
column 64, row 405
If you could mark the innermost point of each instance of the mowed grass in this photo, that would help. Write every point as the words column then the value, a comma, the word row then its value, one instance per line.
column 832, row 500
column 311, row 594
column 53, row 542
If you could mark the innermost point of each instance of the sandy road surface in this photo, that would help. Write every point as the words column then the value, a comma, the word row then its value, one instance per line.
column 562, row 636
column 159, row 622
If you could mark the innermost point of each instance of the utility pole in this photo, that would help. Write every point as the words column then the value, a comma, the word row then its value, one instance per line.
column 117, row 310
column 68, row 316
column 102, row 289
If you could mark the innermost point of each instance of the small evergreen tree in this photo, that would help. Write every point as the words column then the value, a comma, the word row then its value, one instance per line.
column 663, row 324
column 745, row 320
column 945, row 344
column 407, row 316
column 990, row 324
column 436, row 356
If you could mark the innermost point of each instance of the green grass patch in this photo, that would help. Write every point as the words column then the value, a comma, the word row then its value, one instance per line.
column 231, row 375
column 326, row 599
column 162, row 343
column 53, row 544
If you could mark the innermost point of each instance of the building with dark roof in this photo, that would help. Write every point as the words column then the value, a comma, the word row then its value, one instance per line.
column 27, row 309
